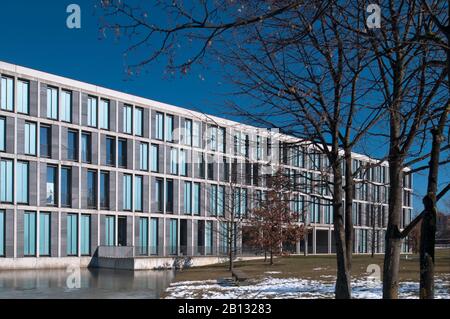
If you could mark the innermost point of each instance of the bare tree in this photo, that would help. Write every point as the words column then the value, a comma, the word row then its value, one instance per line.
column 272, row 220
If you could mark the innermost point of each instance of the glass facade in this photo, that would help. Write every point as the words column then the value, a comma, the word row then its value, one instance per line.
column 30, row 138
column 127, row 199
column 7, row 94
column 6, row 181
column 2, row 233
column 85, row 235
column 23, row 92
column 173, row 236
column 52, row 103
column 22, row 182
column 154, row 153
column 138, row 192
column 127, row 119
column 72, row 235
column 92, row 111
column 29, row 234
column 66, row 106
column 52, row 185
column 2, row 134
column 46, row 144
column 86, row 154
column 153, row 236
column 143, row 156
column 72, row 145
column 66, row 186
column 104, row 114
column 169, row 127
column 64, row 160
column 104, row 190
column 44, row 234
column 188, row 198
column 138, row 121
column 110, row 231
column 92, row 189
column 159, row 126
column 143, row 235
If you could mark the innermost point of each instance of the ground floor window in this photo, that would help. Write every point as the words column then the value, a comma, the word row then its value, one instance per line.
column 72, row 234
column 29, row 232
column 44, row 234
column 2, row 233
column 154, row 236
column 85, row 235
column 109, row 230
column 208, row 237
column 143, row 235
column 173, row 237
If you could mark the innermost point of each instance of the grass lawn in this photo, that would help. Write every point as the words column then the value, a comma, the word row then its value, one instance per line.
column 313, row 267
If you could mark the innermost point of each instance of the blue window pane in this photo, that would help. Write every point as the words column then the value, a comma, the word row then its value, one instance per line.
column 66, row 107
column 6, row 181
column 196, row 199
column 92, row 189
column 51, row 185
column 154, row 157
column 169, row 128
column 110, row 231
column 92, row 111
column 127, row 192
column 22, row 182
column 2, row 134
column 85, row 234
column 29, row 233
column 23, row 97
column 138, row 121
column 159, row 126
column 86, row 147
column 143, row 156
column 173, row 237
column 66, row 187
column 143, row 235
column 187, row 197
column 7, row 94
column 104, row 114
column 2, row 233
column 72, row 234
column 138, row 193
column 154, row 236
column 127, row 119
column 30, row 138
column 72, row 145
column 44, row 234
column 52, row 103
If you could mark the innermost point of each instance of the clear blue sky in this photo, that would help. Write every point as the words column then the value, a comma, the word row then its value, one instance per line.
column 34, row 34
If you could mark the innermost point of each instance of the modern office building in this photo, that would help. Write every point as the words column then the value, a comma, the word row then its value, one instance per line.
column 83, row 166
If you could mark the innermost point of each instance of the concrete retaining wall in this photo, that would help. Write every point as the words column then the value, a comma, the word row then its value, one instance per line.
column 44, row 262
column 141, row 263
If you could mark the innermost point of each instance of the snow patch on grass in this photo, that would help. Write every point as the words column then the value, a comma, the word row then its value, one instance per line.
column 290, row 288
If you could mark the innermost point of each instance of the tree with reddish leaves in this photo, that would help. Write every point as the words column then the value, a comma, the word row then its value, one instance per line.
column 272, row 222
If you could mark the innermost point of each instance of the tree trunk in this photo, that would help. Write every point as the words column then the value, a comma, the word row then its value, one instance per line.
column 271, row 257
column 349, row 182
column 393, row 240
column 427, row 242
column 428, row 228
column 342, row 289
column 265, row 255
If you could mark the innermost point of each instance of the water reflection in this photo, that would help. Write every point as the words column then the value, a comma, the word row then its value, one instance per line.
column 93, row 283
